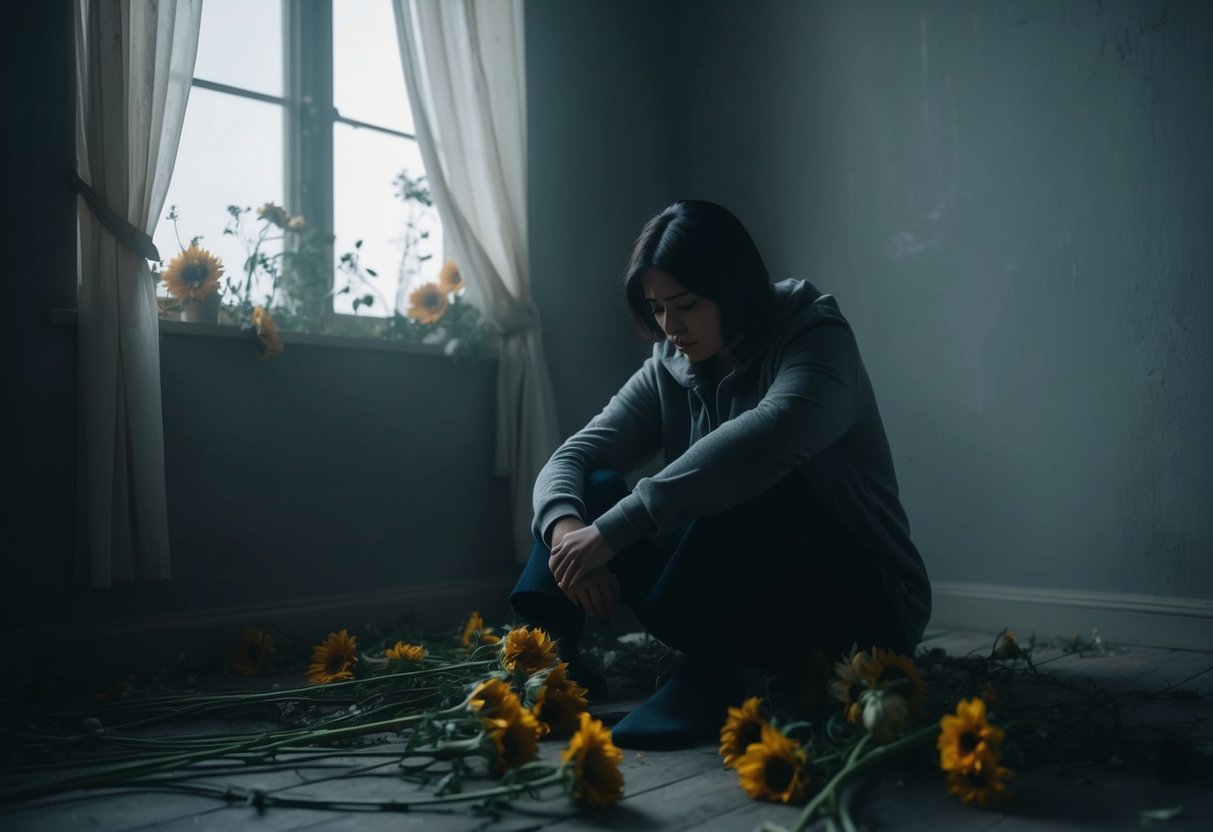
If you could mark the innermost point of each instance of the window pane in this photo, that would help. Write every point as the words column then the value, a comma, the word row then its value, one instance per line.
column 368, row 83
column 367, row 206
column 240, row 44
column 231, row 153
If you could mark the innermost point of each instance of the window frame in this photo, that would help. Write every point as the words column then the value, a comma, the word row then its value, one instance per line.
column 309, row 117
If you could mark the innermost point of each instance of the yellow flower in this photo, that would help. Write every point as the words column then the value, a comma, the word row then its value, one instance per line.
column 893, row 667
column 515, row 738
column 449, row 279
column 405, row 652
column 192, row 274
column 1008, row 646
column 986, row 786
column 254, row 649
column 884, row 713
column 773, row 768
column 597, row 780
column 966, row 741
column 528, row 650
column 475, row 630
column 853, row 675
column 276, row 214
column 560, row 701
column 742, row 728
column 333, row 659
column 493, row 699
column 268, row 344
column 427, row 304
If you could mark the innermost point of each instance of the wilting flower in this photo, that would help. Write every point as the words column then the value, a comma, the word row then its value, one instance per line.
column 985, row 787
column 528, row 650
column 276, row 214
column 296, row 223
column 493, row 698
column 1008, row 646
column 893, row 667
column 427, row 304
column 333, row 659
column 854, row 674
column 773, row 768
column 268, row 343
column 402, row 651
column 192, row 274
column 742, row 728
column 449, row 279
column 966, row 741
column 515, row 738
column 597, row 780
column 254, row 649
column 559, row 702
column 474, row 630
column 884, row 713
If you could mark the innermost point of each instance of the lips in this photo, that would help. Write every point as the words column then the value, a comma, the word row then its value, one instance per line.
column 682, row 345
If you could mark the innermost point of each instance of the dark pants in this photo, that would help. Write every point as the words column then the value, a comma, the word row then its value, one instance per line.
column 742, row 585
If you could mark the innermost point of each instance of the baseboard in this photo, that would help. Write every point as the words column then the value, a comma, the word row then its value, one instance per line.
column 1145, row 620
column 196, row 639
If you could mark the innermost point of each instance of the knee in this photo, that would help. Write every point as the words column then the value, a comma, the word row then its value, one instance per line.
column 603, row 489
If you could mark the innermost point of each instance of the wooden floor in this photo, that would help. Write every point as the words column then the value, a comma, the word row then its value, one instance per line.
column 689, row 790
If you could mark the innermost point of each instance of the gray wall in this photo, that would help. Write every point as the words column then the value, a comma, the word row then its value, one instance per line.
column 1012, row 203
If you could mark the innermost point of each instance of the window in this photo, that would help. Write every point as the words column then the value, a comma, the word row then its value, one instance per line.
column 302, row 104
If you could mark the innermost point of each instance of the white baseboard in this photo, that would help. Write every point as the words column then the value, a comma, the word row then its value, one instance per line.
column 1144, row 620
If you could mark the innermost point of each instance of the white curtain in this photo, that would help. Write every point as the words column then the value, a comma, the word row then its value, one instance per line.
column 134, row 62
column 464, row 66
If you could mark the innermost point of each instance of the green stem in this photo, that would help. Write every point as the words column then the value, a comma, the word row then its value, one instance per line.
column 855, row 764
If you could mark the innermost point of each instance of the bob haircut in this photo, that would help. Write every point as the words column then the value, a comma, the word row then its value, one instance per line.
column 707, row 250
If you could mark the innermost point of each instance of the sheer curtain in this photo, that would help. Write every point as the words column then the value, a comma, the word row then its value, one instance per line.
column 134, row 63
column 464, row 66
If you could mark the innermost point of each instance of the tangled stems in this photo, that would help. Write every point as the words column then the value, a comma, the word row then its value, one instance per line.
column 857, row 761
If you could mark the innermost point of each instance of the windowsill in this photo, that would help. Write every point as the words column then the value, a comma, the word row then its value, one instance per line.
column 67, row 317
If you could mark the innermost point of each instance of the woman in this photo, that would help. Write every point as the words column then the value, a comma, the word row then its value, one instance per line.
column 775, row 526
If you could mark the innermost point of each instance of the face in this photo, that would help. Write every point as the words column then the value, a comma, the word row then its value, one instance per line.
column 690, row 322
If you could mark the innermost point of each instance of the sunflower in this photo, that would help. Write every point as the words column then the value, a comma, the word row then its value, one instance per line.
column 515, row 738
column 427, row 304
column 597, row 780
column 192, row 274
column 449, row 279
column 966, row 741
column 405, row 652
column 773, row 768
column 742, row 728
column 333, row 659
column 893, row 667
column 275, row 214
column 528, row 650
column 474, row 630
column 560, row 701
column 254, row 649
column 493, row 698
column 268, row 343
column 985, row 786
column 853, row 675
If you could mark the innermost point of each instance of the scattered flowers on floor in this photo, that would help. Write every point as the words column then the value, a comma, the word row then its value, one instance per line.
column 253, row 651
column 333, row 659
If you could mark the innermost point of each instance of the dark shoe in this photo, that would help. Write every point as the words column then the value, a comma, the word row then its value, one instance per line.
column 688, row 710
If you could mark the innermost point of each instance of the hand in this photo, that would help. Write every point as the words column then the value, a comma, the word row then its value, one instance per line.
column 597, row 593
column 563, row 526
column 578, row 553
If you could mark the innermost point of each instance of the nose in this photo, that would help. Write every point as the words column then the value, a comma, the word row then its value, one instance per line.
column 673, row 325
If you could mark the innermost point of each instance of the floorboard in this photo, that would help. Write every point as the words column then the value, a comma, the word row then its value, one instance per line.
column 1164, row 690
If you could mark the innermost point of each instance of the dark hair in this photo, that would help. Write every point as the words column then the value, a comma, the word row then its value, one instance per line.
column 706, row 249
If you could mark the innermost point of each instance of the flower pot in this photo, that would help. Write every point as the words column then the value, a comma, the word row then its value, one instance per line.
column 201, row 310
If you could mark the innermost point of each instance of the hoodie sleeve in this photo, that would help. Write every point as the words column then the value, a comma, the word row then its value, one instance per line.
column 810, row 404
column 626, row 433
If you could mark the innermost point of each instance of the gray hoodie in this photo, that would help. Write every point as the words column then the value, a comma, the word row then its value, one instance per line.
column 799, row 402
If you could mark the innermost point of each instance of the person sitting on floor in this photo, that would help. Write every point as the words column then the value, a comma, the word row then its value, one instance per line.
column 775, row 526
